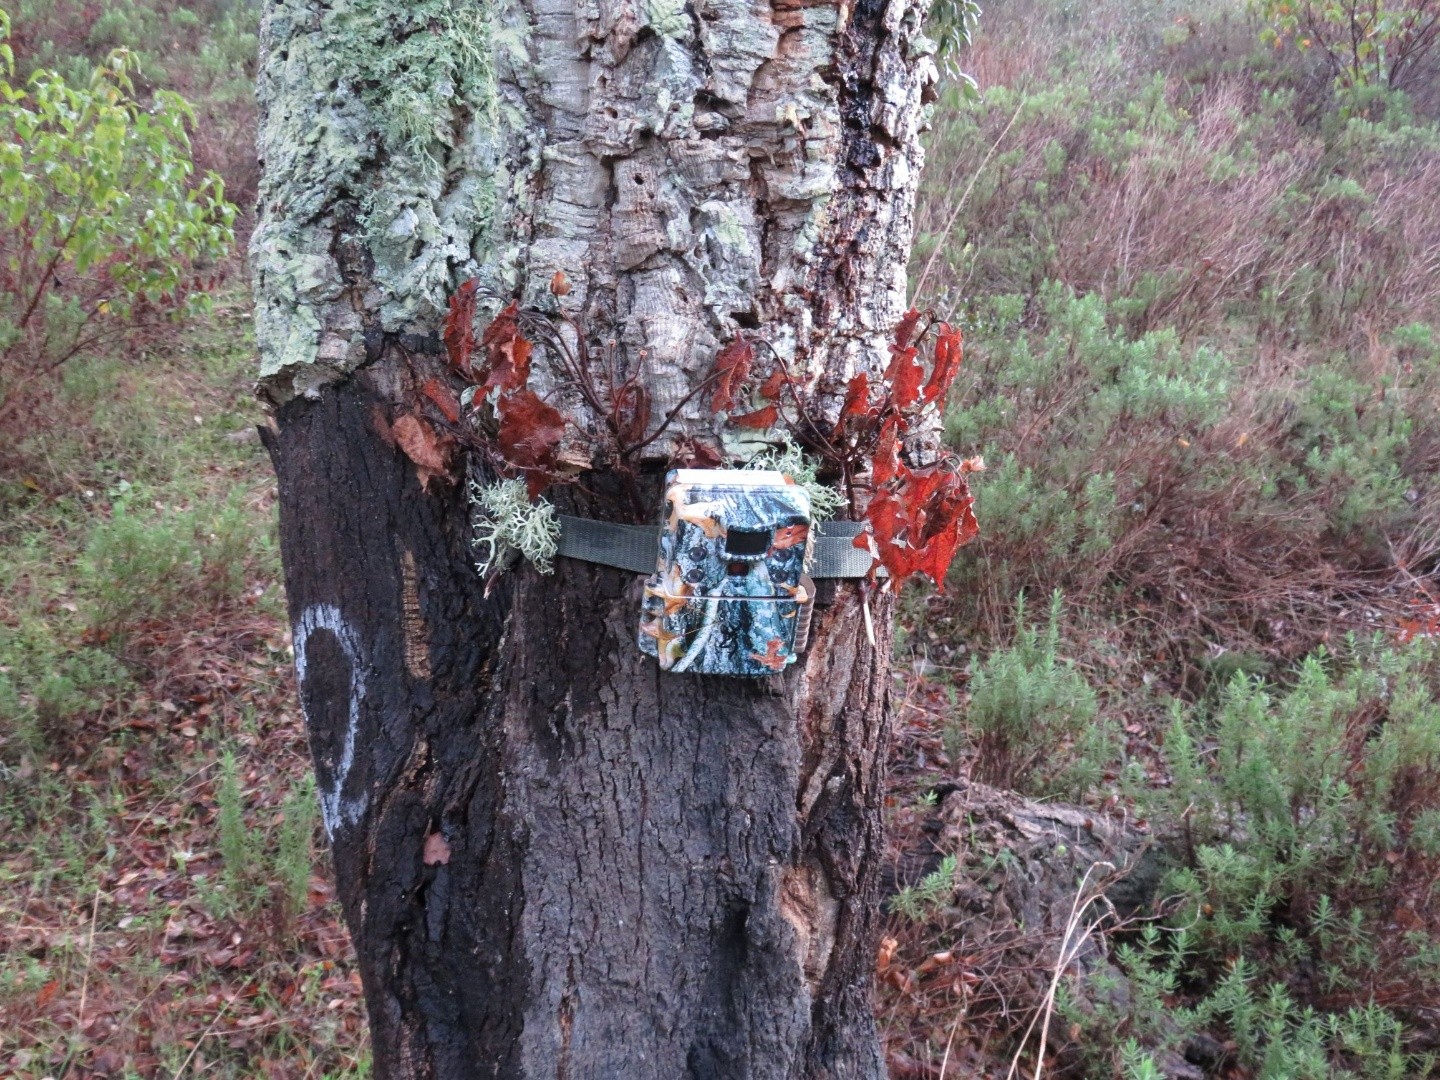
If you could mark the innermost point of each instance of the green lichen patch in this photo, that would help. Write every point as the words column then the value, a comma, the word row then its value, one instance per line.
column 389, row 108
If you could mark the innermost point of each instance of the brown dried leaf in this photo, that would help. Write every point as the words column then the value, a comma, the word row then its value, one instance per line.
column 507, row 352
column 443, row 398
column 732, row 367
column 432, row 451
column 921, row 520
column 905, row 328
column 529, row 437
column 771, row 388
column 759, row 419
column 690, row 453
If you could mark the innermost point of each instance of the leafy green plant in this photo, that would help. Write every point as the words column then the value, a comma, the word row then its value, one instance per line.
column 238, row 853
column 1270, row 1034
column 1304, row 825
column 46, row 683
column 1364, row 42
column 262, row 870
column 147, row 563
column 916, row 902
column 953, row 24
column 294, row 854
column 104, row 230
column 1032, row 717
column 1311, row 795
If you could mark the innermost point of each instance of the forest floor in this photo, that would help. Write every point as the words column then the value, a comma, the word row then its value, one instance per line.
column 158, row 917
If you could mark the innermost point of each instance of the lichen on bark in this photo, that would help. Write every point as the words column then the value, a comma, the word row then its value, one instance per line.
column 695, row 170
column 381, row 128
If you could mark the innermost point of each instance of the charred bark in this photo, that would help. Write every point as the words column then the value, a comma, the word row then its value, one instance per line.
column 554, row 858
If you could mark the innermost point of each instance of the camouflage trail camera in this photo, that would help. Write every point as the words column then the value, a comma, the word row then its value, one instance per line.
column 729, row 595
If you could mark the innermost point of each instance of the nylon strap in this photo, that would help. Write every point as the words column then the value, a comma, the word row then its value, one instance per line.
column 636, row 547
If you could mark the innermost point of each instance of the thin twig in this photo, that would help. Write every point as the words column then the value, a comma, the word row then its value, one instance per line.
column 89, row 956
column 949, row 1041
column 224, row 1008
column 959, row 206
column 1069, row 949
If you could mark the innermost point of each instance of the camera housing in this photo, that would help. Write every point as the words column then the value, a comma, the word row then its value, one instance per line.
column 729, row 595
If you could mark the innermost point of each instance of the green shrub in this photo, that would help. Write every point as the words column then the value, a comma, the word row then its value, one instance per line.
column 1270, row 1034
column 145, row 564
column 103, row 228
column 1032, row 717
column 1195, row 355
column 1121, row 466
column 261, row 869
column 237, row 845
column 205, row 50
column 294, row 854
column 47, row 683
column 1313, row 808
column 1303, row 818
column 919, row 901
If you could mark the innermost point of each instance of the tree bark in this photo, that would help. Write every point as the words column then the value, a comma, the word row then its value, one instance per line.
column 556, row 860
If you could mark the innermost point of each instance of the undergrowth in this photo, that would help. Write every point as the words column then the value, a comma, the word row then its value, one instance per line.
column 205, row 50
column 161, row 907
column 1203, row 365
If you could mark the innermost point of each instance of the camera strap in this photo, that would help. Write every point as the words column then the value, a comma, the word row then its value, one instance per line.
column 634, row 547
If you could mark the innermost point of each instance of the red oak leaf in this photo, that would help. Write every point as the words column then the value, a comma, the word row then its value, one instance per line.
column 886, row 462
column 904, row 376
column 732, row 367
column 432, row 451
column 905, row 328
column 770, row 389
column 443, row 398
column 857, row 396
column 460, row 327
column 948, row 353
column 920, row 521
column 507, row 359
column 759, row 419
column 529, row 436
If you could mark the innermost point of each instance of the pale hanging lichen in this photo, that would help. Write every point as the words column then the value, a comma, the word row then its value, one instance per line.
column 504, row 520
column 825, row 501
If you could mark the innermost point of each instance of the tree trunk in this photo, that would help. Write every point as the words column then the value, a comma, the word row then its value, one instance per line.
column 555, row 859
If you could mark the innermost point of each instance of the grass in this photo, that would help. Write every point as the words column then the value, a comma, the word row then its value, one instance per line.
column 162, row 909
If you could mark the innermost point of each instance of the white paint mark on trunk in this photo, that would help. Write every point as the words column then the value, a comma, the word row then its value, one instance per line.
column 335, row 807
